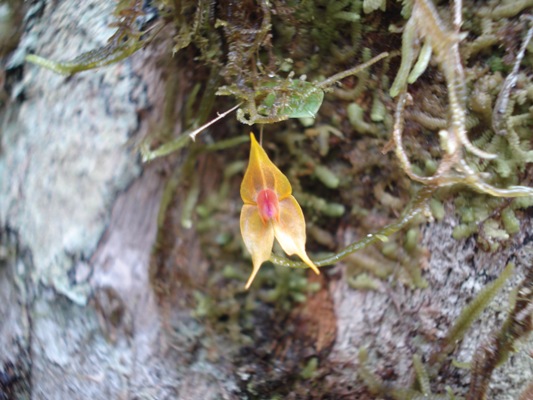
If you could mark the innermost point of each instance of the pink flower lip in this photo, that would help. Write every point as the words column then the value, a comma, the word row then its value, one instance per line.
column 268, row 204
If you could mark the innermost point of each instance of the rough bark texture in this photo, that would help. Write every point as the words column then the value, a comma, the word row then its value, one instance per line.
column 79, row 316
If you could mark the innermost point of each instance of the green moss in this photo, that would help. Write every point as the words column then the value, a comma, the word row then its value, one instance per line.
column 320, row 205
column 412, row 238
column 510, row 221
column 503, row 341
column 463, row 231
column 437, row 209
column 377, row 387
column 408, row 56
column 363, row 282
column 523, row 202
column 378, row 111
column 492, row 230
column 496, row 64
column 327, row 177
column 356, row 118
column 310, row 369
column 473, row 310
column 288, row 289
column 421, row 375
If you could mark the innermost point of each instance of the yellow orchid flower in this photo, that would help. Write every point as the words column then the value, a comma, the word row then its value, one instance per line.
column 270, row 211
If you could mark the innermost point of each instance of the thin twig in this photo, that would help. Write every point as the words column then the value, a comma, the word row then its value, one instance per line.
column 193, row 134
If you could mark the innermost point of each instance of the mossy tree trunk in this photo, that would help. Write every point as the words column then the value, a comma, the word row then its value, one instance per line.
column 87, row 310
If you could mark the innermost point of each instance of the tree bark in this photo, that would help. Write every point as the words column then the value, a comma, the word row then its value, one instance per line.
column 80, row 314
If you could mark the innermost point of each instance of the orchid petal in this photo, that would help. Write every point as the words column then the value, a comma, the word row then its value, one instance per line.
column 262, row 174
column 258, row 238
column 290, row 230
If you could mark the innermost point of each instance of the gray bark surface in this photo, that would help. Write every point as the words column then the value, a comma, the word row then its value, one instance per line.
column 79, row 317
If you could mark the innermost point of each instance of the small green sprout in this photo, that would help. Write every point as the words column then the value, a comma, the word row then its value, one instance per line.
column 275, row 99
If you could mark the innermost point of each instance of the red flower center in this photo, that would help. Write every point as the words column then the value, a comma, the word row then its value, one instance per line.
column 268, row 204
